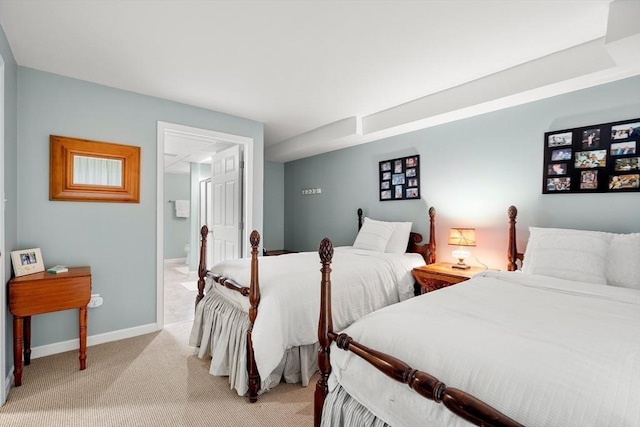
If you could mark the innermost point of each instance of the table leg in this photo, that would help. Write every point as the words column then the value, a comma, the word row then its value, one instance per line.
column 83, row 337
column 17, row 349
column 27, row 340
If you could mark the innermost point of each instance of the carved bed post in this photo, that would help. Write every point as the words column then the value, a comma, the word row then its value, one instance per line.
column 359, row 219
column 512, row 250
column 325, row 328
column 254, row 300
column 432, row 235
column 202, row 266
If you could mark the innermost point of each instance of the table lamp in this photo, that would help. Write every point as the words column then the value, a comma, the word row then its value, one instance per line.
column 462, row 237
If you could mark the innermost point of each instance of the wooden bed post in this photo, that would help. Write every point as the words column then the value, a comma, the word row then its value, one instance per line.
column 202, row 266
column 359, row 219
column 325, row 329
column 254, row 300
column 432, row 235
column 512, row 250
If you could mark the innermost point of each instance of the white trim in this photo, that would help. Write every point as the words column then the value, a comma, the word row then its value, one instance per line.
column 74, row 344
column 165, row 128
column 177, row 261
column 4, row 385
column 8, row 382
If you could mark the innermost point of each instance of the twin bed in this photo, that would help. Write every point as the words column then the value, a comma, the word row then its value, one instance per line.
column 556, row 344
column 266, row 331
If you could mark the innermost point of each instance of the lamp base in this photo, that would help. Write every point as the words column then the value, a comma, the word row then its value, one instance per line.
column 461, row 266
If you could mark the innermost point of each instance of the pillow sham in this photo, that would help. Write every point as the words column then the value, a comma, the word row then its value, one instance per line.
column 399, row 239
column 373, row 235
column 622, row 265
column 567, row 254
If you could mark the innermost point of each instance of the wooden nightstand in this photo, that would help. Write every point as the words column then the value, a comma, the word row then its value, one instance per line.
column 440, row 275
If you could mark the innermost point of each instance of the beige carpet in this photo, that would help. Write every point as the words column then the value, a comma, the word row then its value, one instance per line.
column 151, row 380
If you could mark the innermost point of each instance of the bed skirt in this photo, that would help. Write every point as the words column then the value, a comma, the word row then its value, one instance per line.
column 340, row 409
column 220, row 331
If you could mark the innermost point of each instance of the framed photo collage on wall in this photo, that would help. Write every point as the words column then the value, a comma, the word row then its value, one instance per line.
column 399, row 178
column 593, row 159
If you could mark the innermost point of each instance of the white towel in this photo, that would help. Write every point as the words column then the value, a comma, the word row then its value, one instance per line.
column 182, row 208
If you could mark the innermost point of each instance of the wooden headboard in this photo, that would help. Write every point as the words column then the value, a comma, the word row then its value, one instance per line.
column 512, row 251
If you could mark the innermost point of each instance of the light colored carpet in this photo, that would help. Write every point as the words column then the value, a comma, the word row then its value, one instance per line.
column 151, row 380
column 191, row 286
column 183, row 270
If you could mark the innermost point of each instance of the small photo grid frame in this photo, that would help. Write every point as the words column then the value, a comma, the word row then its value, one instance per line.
column 399, row 178
column 593, row 159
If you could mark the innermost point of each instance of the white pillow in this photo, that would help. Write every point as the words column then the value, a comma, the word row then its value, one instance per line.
column 399, row 239
column 622, row 267
column 567, row 254
column 373, row 235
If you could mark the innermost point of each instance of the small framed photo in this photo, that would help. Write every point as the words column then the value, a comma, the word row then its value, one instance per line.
column 384, row 185
column 558, row 184
column 626, row 130
column 627, row 164
column 590, row 139
column 397, row 179
column 622, row 148
column 591, row 159
column 412, row 193
column 561, row 154
column 557, row 169
column 385, row 195
column 411, row 162
column 620, row 182
column 559, row 139
column 27, row 261
column 385, row 166
column 386, row 176
column 589, row 180
column 398, row 166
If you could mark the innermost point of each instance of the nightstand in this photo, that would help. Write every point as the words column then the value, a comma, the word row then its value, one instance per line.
column 440, row 275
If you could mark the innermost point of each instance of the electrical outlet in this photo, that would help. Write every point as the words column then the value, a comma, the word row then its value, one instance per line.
column 95, row 301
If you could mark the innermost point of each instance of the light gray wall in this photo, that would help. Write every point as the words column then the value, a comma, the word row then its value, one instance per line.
column 273, row 237
column 117, row 240
column 176, row 230
column 10, row 156
column 471, row 171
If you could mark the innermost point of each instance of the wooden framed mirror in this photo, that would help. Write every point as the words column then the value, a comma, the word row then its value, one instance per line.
column 92, row 171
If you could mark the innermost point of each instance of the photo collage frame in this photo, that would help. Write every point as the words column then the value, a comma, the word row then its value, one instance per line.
column 399, row 179
column 593, row 159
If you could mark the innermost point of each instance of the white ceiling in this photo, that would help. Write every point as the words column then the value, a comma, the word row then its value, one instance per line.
column 323, row 75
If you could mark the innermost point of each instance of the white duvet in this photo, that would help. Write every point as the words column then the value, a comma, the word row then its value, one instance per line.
column 545, row 352
column 362, row 282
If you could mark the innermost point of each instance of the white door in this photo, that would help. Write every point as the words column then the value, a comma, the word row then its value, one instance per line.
column 226, row 208
column 205, row 218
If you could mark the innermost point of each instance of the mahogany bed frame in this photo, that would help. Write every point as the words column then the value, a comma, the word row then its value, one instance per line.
column 457, row 401
column 428, row 252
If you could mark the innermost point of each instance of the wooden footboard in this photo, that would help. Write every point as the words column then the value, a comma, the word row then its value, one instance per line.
column 457, row 401
column 253, row 292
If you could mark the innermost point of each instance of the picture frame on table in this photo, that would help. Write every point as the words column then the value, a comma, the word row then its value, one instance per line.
column 27, row 261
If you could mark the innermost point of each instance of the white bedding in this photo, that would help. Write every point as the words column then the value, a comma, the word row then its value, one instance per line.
column 544, row 351
column 362, row 282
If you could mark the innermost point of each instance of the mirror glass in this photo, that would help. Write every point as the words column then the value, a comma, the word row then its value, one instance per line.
column 97, row 171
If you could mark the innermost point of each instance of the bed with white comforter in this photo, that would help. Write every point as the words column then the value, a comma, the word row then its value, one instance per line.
column 285, row 330
column 542, row 350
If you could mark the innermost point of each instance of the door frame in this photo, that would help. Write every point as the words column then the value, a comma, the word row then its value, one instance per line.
column 165, row 128
column 4, row 385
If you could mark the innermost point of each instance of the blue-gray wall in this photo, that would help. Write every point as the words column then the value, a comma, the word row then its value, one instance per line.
column 10, row 157
column 273, row 236
column 471, row 171
column 176, row 230
column 117, row 240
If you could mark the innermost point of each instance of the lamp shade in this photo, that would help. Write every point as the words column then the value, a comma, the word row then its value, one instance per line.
column 462, row 237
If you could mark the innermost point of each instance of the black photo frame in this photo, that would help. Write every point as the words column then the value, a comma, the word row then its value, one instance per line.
column 600, row 158
column 399, row 179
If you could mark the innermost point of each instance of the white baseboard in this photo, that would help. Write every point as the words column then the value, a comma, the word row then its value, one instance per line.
column 171, row 261
column 8, row 382
column 61, row 347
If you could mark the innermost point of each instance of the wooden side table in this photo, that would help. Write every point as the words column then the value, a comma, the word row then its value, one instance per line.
column 45, row 293
column 436, row 276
